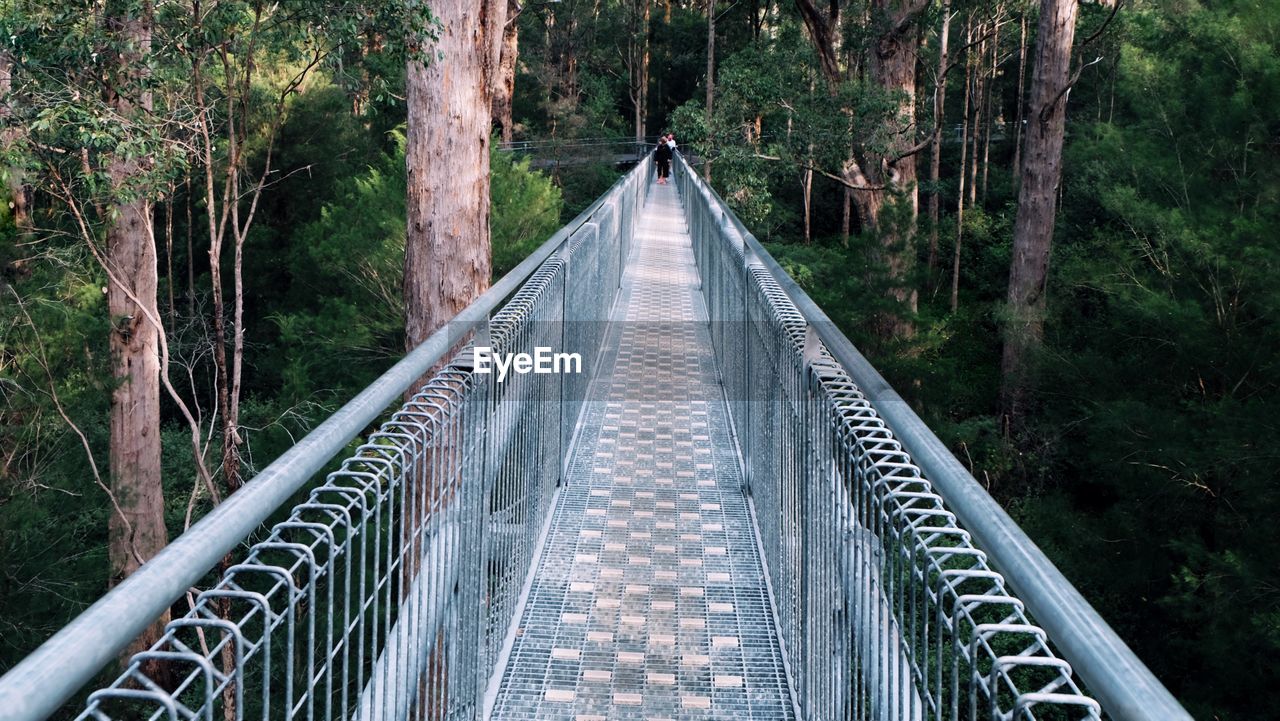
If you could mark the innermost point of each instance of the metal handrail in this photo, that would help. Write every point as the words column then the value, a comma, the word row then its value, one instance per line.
column 1128, row 690
column 37, row 686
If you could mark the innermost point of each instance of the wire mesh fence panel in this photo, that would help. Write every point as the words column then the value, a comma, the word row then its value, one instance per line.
column 886, row 608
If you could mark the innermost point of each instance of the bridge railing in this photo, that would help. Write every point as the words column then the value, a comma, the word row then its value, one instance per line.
column 389, row 590
column 553, row 149
column 902, row 589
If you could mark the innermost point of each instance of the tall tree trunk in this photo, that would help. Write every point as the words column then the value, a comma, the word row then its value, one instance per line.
column 806, row 186
column 893, row 68
column 964, row 146
column 711, row 82
column 171, row 310
column 138, row 532
column 1022, row 84
column 988, row 109
column 975, row 119
column 844, row 216
column 447, row 251
column 191, row 255
column 505, row 87
column 1041, row 173
column 643, row 111
column 935, row 155
column 638, row 66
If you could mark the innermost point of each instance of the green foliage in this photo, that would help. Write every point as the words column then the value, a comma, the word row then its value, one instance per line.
column 349, row 265
column 525, row 212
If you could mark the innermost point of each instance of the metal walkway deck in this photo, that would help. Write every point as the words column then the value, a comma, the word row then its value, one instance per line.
column 650, row 600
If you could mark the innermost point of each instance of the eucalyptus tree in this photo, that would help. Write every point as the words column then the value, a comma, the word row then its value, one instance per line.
column 880, row 165
column 451, row 67
column 1039, row 177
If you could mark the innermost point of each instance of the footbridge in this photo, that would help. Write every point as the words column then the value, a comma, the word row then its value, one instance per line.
column 726, row 514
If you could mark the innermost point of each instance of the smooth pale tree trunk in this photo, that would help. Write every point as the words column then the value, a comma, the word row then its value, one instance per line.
column 975, row 119
column 1022, row 84
column 642, row 111
column 447, row 250
column 964, row 145
column 1040, row 173
column 935, row 154
column 505, row 87
column 137, row 532
column 711, row 84
column 988, row 109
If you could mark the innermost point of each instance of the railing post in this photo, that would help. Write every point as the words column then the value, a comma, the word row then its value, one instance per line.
column 475, row 522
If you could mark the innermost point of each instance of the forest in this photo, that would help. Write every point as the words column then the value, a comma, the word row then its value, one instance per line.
column 1053, row 225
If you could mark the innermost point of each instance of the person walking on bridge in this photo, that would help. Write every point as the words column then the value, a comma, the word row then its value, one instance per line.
column 662, row 158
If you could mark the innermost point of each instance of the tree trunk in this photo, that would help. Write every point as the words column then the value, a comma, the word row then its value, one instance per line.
column 138, row 532
column 893, row 68
column 447, row 252
column 1022, row 83
column 964, row 147
column 642, row 113
column 1041, row 173
column 988, row 109
column 638, row 66
column 806, row 185
column 191, row 255
column 505, row 87
column 711, row 82
column 844, row 217
column 171, row 310
column 975, row 119
column 935, row 156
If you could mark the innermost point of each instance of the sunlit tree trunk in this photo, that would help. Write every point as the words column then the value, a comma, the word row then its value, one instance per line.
column 1041, row 173
column 138, row 531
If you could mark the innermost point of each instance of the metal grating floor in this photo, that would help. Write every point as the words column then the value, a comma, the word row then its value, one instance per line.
column 649, row 601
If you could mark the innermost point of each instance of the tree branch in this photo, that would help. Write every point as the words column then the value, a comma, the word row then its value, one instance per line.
column 1048, row 108
column 809, row 166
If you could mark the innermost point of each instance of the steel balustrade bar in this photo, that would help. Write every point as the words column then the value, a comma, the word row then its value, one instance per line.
column 37, row 686
column 1113, row 673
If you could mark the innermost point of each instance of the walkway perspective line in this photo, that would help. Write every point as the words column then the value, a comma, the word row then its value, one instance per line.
column 650, row 599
